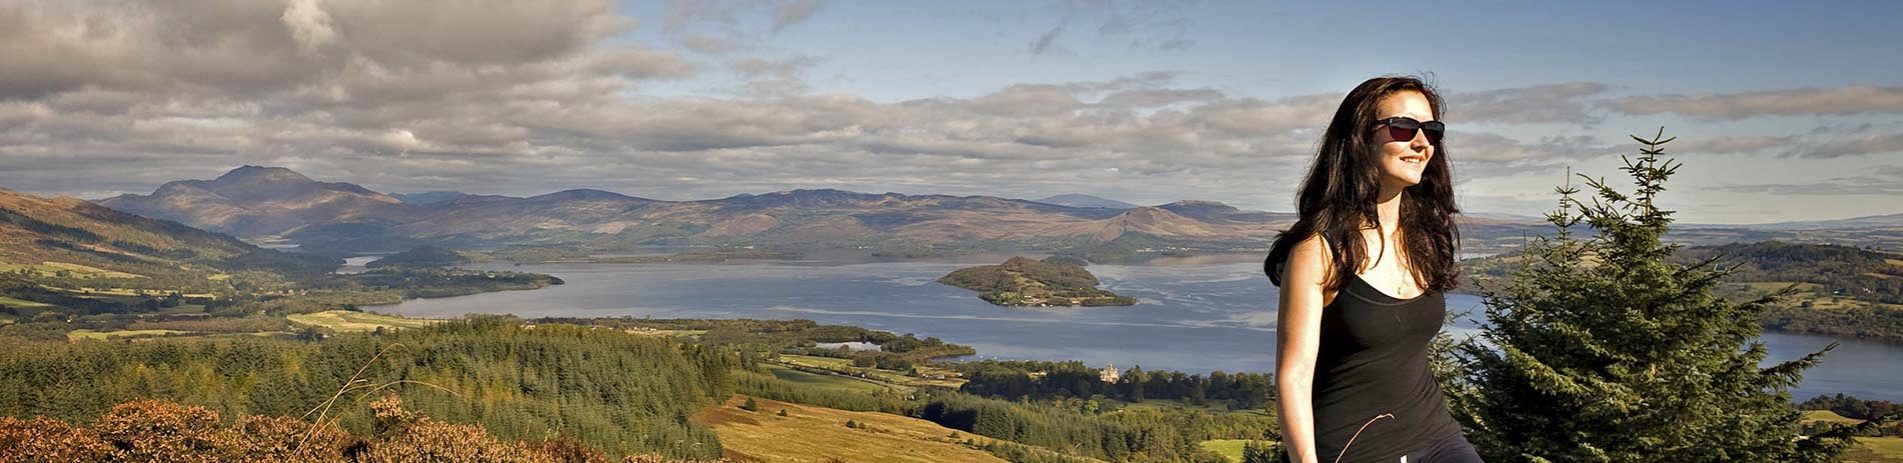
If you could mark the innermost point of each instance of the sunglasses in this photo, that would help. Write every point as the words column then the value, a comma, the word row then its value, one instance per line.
column 1402, row 128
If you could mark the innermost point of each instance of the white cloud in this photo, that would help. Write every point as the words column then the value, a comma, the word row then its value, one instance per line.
column 402, row 97
column 1874, row 143
column 1852, row 99
column 1544, row 103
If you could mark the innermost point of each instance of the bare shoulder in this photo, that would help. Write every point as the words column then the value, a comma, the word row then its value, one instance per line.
column 1309, row 262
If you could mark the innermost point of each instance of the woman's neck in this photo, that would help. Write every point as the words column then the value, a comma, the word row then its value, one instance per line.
column 1388, row 209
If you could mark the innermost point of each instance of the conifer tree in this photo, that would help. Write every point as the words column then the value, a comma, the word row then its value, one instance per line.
column 1258, row 452
column 1598, row 349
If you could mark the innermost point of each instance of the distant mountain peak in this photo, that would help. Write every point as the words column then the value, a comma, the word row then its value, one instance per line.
column 257, row 201
column 585, row 194
column 250, row 173
column 822, row 192
column 429, row 197
column 1197, row 203
column 824, row 198
column 1084, row 200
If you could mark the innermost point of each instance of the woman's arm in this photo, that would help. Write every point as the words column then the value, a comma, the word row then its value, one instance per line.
column 1298, row 337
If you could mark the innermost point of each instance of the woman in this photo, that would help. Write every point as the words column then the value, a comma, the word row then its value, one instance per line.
column 1362, row 275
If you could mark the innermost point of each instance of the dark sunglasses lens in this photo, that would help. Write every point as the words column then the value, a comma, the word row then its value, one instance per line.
column 1401, row 128
column 1434, row 130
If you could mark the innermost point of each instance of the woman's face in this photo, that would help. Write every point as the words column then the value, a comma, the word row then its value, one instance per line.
column 1402, row 161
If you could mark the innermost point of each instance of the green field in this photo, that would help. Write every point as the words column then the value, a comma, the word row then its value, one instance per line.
column 1212, row 406
column 1229, row 448
column 345, row 321
column 845, row 366
column 50, row 268
column 76, row 335
column 11, row 302
column 820, row 381
column 666, row 333
column 1763, row 287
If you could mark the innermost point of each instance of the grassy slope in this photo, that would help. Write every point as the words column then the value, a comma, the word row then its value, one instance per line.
column 810, row 433
column 1868, row 449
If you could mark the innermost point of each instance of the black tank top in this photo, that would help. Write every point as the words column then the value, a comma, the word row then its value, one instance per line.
column 1373, row 362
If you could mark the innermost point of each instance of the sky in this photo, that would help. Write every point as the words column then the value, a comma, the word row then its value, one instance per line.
column 1782, row 111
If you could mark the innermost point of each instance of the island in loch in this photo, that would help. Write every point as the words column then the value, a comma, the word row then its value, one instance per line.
column 1023, row 282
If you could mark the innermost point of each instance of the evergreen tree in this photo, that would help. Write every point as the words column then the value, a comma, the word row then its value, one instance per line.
column 1600, row 349
column 751, row 405
column 1258, row 452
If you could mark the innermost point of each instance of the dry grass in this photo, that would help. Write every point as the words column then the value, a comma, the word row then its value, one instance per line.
column 1888, row 447
column 345, row 321
column 1876, row 450
column 817, row 434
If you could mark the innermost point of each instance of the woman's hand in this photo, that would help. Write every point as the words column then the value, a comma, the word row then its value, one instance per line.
column 1298, row 337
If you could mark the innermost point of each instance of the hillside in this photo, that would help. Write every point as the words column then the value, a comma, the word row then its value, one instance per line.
column 74, row 269
column 422, row 256
column 1023, row 282
column 48, row 235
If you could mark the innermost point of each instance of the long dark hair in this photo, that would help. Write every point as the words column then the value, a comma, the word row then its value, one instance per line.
column 1338, row 196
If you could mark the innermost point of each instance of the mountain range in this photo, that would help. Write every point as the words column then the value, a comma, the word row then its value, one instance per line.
column 266, row 203
column 277, row 204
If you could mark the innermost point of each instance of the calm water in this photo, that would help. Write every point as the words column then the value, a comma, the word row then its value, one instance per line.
column 1195, row 314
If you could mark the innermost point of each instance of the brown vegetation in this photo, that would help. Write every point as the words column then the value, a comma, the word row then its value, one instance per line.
column 154, row 430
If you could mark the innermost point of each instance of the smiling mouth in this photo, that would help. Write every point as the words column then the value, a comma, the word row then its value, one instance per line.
column 1414, row 160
